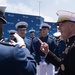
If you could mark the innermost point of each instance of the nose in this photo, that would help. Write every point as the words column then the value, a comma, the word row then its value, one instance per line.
column 59, row 28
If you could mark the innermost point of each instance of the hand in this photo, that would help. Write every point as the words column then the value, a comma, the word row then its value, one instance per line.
column 20, row 41
column 13, row 42
column 44, row 47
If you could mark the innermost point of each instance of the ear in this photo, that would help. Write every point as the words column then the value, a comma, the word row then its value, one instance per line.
column 25, row 32
column 72, row 26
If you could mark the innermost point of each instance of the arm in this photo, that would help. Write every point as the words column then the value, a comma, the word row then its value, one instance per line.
column 50, row 56
column 24, row 61
column 23, row 58
column 71, row 61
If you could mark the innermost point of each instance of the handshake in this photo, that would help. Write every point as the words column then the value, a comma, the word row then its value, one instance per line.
column 20, row 41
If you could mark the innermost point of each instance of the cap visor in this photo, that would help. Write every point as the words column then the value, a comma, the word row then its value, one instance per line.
column 4, row 21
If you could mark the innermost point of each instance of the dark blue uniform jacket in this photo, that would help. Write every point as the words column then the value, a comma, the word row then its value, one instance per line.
column 16, row 61
column 67, row 65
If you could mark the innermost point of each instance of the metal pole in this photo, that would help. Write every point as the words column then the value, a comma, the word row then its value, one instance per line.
column 39, row 7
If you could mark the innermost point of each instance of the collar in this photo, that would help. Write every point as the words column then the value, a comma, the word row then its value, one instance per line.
column 70, row 40
column 45, row 36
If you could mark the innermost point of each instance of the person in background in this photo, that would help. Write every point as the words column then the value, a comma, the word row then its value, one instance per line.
column 14, row 59
column 33, row 40
column 21, row 30
column 11, row 36
column 60, row 45
column 66, row 23
column 40, row 32
column 32, row 33
column 44, row 65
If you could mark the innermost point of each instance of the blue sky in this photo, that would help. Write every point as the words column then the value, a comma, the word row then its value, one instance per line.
column 48, row 8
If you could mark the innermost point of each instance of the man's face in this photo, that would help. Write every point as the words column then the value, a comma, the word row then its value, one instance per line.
column 21, row 32
column 40, row 33
column 65, row 29
column 45, row 31
column 32, row 34
column 12, row 37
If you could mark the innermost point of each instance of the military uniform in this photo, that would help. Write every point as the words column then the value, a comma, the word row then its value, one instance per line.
column 46, row 66
column 67, row 64
column 14, row 59
column 59, row 49
column 33, row 40
column 60, row 45
column 24, row 25
column 11, row 37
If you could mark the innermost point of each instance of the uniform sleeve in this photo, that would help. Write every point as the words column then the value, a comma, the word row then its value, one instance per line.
column 24, row 61
column 71, row 61
column 52, row 58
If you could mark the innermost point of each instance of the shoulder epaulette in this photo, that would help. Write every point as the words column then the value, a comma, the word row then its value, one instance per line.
column 7, row 44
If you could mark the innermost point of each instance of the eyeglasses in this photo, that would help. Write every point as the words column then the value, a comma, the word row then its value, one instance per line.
column 64, row 22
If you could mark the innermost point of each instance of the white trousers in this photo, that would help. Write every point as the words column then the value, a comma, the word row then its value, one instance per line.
column 45, row 69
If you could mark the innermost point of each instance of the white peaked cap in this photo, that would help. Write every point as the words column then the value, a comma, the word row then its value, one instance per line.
column 31, row 30
column 45, row 25
column 22, row 23
column 12, row 31
column 2, row 8
column 65, row 15
column 57, row 34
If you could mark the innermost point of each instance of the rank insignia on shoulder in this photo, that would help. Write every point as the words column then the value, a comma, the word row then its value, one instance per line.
column 7, row 43
column 62, row 67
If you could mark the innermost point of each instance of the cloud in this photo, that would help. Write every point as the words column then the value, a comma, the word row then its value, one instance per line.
column 3, row 2
column 60, row 1
column 47, row 18
column 22, row 9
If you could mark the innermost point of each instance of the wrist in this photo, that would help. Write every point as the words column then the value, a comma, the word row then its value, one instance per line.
column 47, row 53
column 23, row 46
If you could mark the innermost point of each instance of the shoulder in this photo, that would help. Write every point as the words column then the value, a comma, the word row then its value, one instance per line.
column 35, row 39
column 50, row 40
column 27, row 38
column 7, row 43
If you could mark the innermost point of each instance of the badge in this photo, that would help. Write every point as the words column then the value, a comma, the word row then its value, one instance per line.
column 62, row 67
column 67, row 49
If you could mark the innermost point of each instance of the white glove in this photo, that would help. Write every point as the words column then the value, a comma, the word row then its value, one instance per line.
column 20, row 41
column 13, row 42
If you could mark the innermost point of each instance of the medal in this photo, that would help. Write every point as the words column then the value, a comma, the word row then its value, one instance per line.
column 62, row 67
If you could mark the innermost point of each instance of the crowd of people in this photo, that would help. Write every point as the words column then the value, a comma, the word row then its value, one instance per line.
column 45, row 55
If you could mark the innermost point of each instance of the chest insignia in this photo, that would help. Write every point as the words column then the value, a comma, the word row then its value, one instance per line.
column 67, row 49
